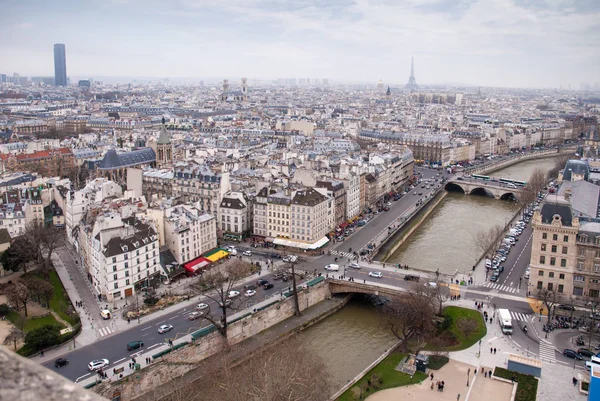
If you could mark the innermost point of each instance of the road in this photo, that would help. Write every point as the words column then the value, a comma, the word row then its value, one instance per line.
column 114, row 347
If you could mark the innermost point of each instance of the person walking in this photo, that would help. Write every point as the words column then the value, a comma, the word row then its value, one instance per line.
column 431, row 375
column 491, row 350
column 494, row 351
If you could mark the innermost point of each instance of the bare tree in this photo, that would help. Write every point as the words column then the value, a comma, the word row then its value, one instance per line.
column 14, row 336
column 42, row 241
column 287, row 371
column 467, row 326
column 41, row 289
column 410, row 315
column 559, row 164
column 19, row 296
column 535, row 184
column 487, row 239
column 217, row 285
column 549, row 298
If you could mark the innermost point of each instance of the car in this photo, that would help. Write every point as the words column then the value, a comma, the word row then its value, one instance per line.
column 135, row 345
column 500, row 268
column 277, row 275
column 431, row 284
column 595, row 316
column 194, row 315
column 410, row 277
column 262, row 281
column 586, row 353
column 268, row 286
column 164, row 328
column 376, row 274
column 420, row 193
column 250, row 286
column 386, row 209
column 569, row 353
column 247, row 253
column 202, row 306
column 389, row 204
column 527, row 273
column 233, row 294
column 250, row 293
column 332, row 267
column 227, row 303
column 105, row 313
column 414, row 193
column 354, row 265
column 60, row 362
column 566, row 307
column 97, row 364
column 494, row 277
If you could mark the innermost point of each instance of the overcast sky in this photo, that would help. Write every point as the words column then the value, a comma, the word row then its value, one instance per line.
column 525, row 43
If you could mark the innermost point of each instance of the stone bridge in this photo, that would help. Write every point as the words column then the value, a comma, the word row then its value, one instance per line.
column 345, row 286
column 482, row 187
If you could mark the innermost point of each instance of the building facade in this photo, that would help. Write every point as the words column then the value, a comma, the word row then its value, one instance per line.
column 60, row 65
column 188, row 232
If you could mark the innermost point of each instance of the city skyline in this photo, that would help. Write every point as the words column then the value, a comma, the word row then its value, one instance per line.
column 507, row 44
column 60, row 65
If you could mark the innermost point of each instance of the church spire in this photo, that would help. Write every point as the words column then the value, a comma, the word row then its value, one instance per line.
column 388, row 92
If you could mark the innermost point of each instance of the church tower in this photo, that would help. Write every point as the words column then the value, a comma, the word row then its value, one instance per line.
column 164, row 147
column 244, row 89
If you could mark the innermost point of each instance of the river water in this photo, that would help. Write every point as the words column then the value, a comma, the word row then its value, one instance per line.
column 349, row 340
column 446, row 240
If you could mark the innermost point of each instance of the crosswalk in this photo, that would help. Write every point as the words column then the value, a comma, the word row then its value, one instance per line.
column 105, row 331
column 348, row 255
column 500, row 287
column 522, row 317
column 547, row 351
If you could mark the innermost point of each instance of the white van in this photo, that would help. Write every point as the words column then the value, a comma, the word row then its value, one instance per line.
column 105, row 313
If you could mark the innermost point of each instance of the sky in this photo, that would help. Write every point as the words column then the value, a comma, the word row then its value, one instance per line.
column 508, row 43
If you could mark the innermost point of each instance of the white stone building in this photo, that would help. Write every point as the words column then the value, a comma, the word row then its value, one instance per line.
column 189, row 232
column 235, row 215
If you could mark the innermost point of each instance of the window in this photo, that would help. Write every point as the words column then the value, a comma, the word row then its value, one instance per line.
column 593, row 293
column 582, row 252
column 566, row 238
column 116, row 286
column 553, row 248
column 563, row 263
column 114, row 260
column 564, row 250
column 540, row 285
column 579, row 278
column 126, row 265
column 115, row 268
column 542, row 260
column 544, row 247
column 126, row 256
column 577, row 290
column 544, row 236
column 552, row 261
column 126, row 273
column 554, row 237
column 596, row 268
column 551, row 275
column 541, row 273
column 127, row 282
column 115, row 277
column 561, row 288
column 561, row 276
column 579, row 265
column 550, row 286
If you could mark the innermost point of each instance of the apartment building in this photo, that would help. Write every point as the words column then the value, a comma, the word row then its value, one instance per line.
column 353, row 204
column 235, row 215
column 34, row 208
column 121, row 255
column 188, row 232
column 12, row 218
column 586, row 278
column 337, row 191
column 200, row 184
column 553, row 260
column 48, row 163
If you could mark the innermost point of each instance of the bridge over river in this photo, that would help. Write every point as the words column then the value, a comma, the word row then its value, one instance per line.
column 477, row 186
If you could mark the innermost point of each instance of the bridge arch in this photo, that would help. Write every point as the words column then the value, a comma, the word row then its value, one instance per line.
column 482, row 191
column 454, row 187
column 511, row 196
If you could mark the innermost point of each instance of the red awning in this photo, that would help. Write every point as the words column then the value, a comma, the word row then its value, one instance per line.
column 196, row 264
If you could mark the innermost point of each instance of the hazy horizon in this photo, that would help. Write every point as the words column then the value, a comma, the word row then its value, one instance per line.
column 503, row 43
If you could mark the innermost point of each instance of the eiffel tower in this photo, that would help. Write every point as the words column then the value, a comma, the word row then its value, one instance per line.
column 412, row 82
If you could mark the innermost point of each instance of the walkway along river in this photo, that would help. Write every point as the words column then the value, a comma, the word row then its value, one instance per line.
column 446, row 239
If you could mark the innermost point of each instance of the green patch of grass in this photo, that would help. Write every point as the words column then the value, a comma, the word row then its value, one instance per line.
column 32, row 324
column 390, row 377
column 461, row 339
column 526, row 387
column 585, row 386
column 436, row 362
column 59, row 302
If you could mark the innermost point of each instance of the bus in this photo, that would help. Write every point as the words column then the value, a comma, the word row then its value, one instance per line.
column 505, row 321
column 480, row 177
column 517, row 183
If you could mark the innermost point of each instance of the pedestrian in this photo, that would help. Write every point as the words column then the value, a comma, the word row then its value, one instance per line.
column 485, row 373
column 490, row 374
column 443, row 384
column 458, row 397
column 431, row 386
column 42, row 352
column 494, row 351
column 490, row 320
column 491, row 350
column 574, row 381
column 439, row 385
column 431, row 375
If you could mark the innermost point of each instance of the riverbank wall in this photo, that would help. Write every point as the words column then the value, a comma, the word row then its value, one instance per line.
column 545, row 154
column 246, row 336
column 409, row 226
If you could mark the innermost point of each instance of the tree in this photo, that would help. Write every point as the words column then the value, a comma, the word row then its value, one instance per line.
column 43, row 336
column 216, row 284
column 549, row 298
column 17, row 256
column 487, row 239
column 14, row 336
column 467, row 326
column 287, row 371
column 42, row 241
column 291, row 270
column 410, row 315
column 41, row 289
column 535, row 184
column 19, row 296
column 560, row 163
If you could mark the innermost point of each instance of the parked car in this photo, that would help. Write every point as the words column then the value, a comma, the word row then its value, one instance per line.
column 268, row 286
column 136, row 344
column 250, row 293
column 97, row 364
column 410, row 277
column 569, row 353
column 527, row 273
column 354, row 265
column 247, row 253
column 566, row 307
column 262, row 281
column 250, row 286
column 376, row 274
column 586, row 353
column 202, row 306
column 164, row 328
column 60, row 362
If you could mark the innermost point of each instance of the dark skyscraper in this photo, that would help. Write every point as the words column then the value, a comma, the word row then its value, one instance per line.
column 60, row 65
